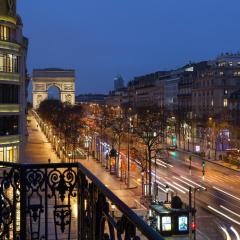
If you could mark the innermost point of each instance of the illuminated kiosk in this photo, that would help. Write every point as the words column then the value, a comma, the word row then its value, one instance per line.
column 168, row 220
column 43, row 79
column 113, row 156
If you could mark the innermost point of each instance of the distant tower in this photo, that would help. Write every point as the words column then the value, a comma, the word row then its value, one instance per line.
column 118, row 82
column 13, row 83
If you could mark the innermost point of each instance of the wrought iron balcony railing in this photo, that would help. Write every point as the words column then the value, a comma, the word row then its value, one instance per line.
column 63, row 201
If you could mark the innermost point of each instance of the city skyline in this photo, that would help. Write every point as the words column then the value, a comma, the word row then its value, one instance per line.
column 153, row 159
column 100, row 50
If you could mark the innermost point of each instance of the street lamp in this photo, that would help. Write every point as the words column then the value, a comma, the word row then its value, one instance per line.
column 203, row 170
column 167, row 188
column 142, row 174
column 190, row 162
column 193, row 210
column 128, row 153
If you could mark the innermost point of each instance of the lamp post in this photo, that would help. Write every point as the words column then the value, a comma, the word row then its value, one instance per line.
column 128, row 153
column 167, row 192
column 142, row 174
column 190, row 162
column 203, row 170
column 192, row 211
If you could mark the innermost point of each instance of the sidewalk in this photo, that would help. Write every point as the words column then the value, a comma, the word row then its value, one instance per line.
column 220, row 163
column 39, row 150
column 117, row 187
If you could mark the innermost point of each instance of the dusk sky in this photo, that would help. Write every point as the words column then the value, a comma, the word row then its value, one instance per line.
column 103, row 38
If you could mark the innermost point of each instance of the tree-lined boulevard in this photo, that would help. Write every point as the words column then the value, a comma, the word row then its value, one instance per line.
column 139, row 137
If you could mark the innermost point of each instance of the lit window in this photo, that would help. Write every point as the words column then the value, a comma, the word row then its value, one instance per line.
column 236, row 73
column 221, row 73
column 4, row 33
column 225, row 91
column 230, row 64
column 225, row 102
column 212, row 103
column 166, row 223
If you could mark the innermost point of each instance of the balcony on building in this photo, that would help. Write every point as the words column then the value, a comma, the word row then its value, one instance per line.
column 63, row 201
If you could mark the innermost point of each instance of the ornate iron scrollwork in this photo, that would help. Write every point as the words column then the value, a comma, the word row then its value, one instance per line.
column 9, row 196
column 60, row 202
column 34, row 186
column 62, row 183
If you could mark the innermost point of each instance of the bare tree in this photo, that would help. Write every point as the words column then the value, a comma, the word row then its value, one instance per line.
column 148, row 130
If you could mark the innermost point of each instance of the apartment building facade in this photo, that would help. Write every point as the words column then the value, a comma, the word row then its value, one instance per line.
column 13, row 83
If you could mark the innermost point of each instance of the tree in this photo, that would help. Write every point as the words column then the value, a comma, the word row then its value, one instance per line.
column 65, row 121
column 73, row 127
column 148, row 130
column 139, row 155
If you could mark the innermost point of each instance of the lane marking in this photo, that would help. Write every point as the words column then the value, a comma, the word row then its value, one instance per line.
column 229, row 194
column 179, row 179
column 193, row 182
column 224, row 215
column 181, row 186
column 170, row 184
column 226, row 233
column 235, row 232
column 227, row 209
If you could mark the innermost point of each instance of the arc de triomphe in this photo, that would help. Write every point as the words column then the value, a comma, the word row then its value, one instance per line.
column 43, row 79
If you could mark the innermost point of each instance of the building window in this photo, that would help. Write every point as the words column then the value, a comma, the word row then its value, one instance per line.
column 221, row 73
column 9, row 153
column 9, row 125
column 212, row 103
column 236, row 74
column 225, row 92
column 4, row 33
column 225, row 102
column 9, row 63
column 9, row 94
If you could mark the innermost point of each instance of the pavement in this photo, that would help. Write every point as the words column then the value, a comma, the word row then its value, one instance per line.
column 38, row 149
column 211, row 159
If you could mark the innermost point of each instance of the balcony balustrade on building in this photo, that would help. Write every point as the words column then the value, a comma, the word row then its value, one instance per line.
column 63, row 201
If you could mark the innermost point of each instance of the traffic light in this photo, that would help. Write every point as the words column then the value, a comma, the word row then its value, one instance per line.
column 193, row 227
column 203, row 168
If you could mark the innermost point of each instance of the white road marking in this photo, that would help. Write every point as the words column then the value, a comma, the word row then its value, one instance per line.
column 226, row 233
column 224, row 215
column 181, row 180
column 193, row 182
column 229, row 194
column 235, row 232
column 221, row 206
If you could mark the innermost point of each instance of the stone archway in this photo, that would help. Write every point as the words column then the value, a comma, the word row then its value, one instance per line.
column 43, row 79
